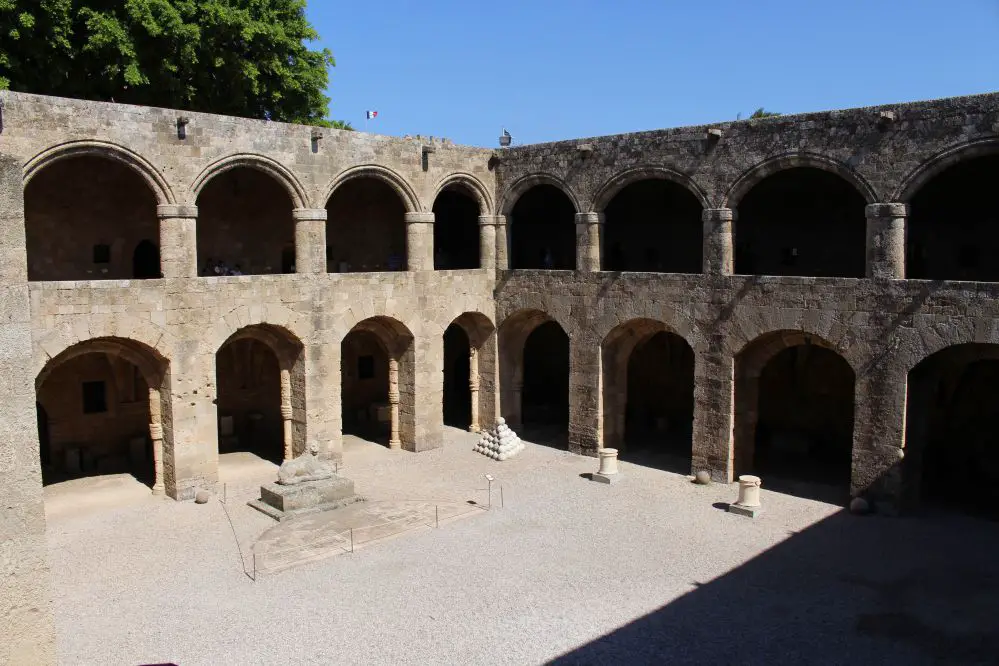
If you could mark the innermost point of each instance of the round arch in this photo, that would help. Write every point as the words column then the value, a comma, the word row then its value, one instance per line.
column 406, row 193
column 757, row 173
column 522, row 185
column 157, row 183
column 150, row 362
column 621, row 180
column 469, row 345
column 472, row 185
column 928, row 170
column 262, row 163
column 285, row 344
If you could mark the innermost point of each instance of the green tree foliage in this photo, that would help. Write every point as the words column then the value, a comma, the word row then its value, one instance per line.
column 763, row 113
column 237, row 57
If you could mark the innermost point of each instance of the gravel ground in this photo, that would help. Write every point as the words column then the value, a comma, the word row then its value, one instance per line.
column 648, row 570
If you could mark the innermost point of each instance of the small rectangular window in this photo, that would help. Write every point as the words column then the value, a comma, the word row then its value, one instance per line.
column 366, row 367
column 102, row 254
column 94, row 398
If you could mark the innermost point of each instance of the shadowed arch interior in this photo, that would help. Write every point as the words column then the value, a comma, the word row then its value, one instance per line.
column 84, row 218
column 951, row 442
column 794, row 413
column 456, row 230
column 245, row 225
column 365, row 227
column 953, row 230
column 653, row 225
column 543, row 230
column 802, row 221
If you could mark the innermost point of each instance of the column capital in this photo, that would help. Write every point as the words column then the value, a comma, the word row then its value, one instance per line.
column 881, row 210
column 719, row 215
column 492, row 220
column 309, row 215
column 419, row 218
column 590, row 218
column 177, row 210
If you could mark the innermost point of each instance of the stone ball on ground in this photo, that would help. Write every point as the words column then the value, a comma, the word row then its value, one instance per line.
column 202, row 496
column 703, row 477
column 859, row 506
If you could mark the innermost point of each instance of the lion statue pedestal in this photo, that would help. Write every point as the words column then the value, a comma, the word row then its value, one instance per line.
column 305, row 484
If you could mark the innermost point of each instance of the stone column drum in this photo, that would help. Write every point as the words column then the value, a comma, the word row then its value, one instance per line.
column 310, row 240
column 886, row 240
column 589, row 244
column 608, row 461
column 719, row 231
column 178, row 241
column 393, row 397
column 473, row 387
column 419, row 241
column 488, row 227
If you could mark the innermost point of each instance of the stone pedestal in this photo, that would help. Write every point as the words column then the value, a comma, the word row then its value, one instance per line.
column 608, row 467
column 284, row 502
column 748, row 504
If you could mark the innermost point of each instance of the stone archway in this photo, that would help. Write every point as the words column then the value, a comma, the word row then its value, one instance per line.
column 542, row 228
column 794, row 414
column 456, row 229
column 648, row 394
column 104, row 407
column 378, row 372
column 260, row 378
column 365, row 227
column 470, row 372
column 951, row 442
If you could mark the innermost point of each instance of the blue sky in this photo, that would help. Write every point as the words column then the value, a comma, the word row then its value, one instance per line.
column 560, row 69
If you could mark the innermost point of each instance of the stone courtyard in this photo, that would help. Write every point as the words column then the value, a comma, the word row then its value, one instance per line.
column 568, row 570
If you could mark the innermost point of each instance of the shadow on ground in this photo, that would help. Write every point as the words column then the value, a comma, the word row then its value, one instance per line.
column 845, row 590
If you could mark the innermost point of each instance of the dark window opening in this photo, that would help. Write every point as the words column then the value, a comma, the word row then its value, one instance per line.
column 102, row 254
column 365, row 367
column 94, row 398
column 543, row 230
column 456, row 231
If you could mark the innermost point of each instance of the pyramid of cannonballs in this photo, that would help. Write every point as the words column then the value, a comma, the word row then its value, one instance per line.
column 500, row 442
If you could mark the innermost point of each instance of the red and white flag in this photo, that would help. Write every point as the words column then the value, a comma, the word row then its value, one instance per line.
column 372, row 114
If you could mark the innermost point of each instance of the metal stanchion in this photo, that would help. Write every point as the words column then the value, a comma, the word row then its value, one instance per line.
column 437, row 516
column 352, row 539
column 501, row 497
column 254, row 566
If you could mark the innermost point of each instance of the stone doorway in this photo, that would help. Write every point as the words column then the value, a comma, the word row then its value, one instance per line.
column 794, row 415
column 457, row 391
column 952, row 444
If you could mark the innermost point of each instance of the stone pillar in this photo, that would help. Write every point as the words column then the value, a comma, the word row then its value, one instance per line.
column 310, row 240
column 286, row 414
column 473, row 387
column 26, row 625
column 178, row 241
column 714, row 412
column 502, row 243
column 419, row 241
column 589, row 244
column 718, row 256
column 585, row 422
column 488, row 228
column 156, row 434
column 393, row 397
column 879, row 434
column 886, row 240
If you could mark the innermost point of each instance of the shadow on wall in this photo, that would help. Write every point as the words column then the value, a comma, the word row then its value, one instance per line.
column 849, row 589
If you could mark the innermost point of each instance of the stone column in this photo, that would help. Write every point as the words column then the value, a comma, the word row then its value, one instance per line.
column 488, row 227
column 286, row 414
column 714, row 412
column 156, row 434
column 178, row 240
column 419, row 241
column 886, row 240
column 310, row 240
column 393, row 397
column 589, row 244
column 473, row 387
column 879, row 434
column 585, row 421
column 718, row 256
column 502, row 243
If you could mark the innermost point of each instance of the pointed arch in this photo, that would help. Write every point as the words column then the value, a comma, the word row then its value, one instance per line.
column 928, row 170
column 519, row 187
column 757, row 173
column 284, row 176
column 470, row 183
column 405, row 191
column 621, row 180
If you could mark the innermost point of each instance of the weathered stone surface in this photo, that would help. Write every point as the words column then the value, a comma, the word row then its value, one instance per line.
column 202, row 497
column 283, row 502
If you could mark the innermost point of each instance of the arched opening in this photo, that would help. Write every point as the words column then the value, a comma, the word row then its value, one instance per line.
column 543, row 230
column 261, row 394
column 794, row 415
column 378, row 375
column 648, row 395
column 83, row 217
column 802, row 221
column 953, row 230
column 457, row 391
column 365, row 228
column 245, row 225
column 103, row 408
column 654, row 226
column 146, row 261
column 952, row 445
column 456, row 230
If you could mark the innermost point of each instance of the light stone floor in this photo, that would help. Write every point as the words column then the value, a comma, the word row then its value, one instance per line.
column 648, row 570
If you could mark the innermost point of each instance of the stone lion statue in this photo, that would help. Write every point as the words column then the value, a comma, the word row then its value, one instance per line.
column 304, row 468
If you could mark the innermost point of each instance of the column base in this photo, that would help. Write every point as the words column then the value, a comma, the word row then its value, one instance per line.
column 395, row 444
